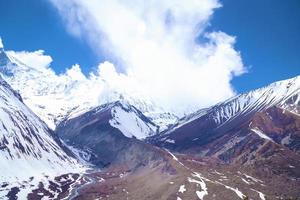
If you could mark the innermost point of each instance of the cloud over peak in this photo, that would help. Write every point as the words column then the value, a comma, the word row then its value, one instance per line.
column 155, row 46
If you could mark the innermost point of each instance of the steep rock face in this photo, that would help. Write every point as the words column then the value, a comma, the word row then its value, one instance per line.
column 28, row 148
column 108, row 134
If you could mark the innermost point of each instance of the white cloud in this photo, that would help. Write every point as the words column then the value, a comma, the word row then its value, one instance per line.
column 75, row 73
column 155, row 44
column 36, row 59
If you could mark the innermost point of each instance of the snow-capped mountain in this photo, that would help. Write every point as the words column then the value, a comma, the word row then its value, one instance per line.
column 53, row 97
column 29, row 150
column 258, row 130
column 284, row 94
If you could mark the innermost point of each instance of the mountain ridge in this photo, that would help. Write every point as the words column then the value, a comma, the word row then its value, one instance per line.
column 228, row 127
column 252, row 101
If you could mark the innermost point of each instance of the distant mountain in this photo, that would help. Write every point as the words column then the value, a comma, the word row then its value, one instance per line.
column 29, row 150
column 243, row 129
column 284, row 94
column 53, row 97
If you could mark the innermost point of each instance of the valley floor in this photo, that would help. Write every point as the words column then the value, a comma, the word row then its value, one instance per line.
column 178, row 177
column 181, row 177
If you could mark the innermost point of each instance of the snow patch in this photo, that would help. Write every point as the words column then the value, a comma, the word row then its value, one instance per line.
column 203, row 192
column 173, row 156
column 236, row 190
column 182, row 189
column 170, row 141
column 261, row 134
column 253, row 179
column 246, row 181
column 260, row 194
column 286, row 140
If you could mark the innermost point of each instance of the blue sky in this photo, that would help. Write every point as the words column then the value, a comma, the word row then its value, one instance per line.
column 34, row 24
column 267, row 35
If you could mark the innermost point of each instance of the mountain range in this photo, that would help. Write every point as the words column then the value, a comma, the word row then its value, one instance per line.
column 60, row 140
column 55, row 97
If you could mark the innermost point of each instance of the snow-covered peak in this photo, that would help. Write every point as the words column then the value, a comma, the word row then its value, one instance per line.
column 54, row 97
column 275, row 94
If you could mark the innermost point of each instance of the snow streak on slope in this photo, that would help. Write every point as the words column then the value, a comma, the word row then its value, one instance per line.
column 261, row 134
column 53, row 97
column 276, row 94
column 27, row 146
